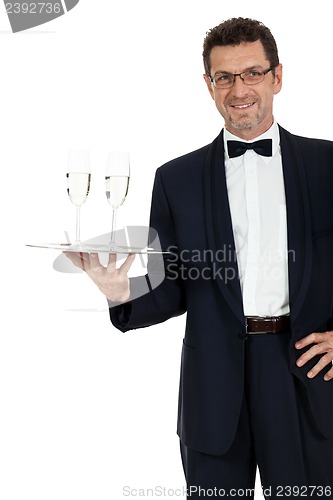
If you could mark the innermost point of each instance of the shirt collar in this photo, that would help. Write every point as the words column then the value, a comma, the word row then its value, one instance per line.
column 272, row 133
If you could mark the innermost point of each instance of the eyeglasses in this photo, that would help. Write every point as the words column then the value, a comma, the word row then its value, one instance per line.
column 249, row 77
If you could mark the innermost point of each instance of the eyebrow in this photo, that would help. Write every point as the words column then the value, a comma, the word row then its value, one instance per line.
column 250, row 68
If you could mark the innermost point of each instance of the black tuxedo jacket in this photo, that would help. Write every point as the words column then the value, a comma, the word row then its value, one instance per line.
column 190, row 212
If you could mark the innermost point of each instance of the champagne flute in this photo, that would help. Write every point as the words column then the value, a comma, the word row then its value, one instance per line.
column 117, row 176
column 78, row 183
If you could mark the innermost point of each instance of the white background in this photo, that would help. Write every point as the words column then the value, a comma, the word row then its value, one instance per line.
column 84, row 409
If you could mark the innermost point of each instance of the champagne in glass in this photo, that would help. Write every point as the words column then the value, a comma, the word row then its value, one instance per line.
column 78, row 183
column 116, row 184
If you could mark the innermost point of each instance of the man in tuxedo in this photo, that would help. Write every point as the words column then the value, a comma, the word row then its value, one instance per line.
column 248, row 223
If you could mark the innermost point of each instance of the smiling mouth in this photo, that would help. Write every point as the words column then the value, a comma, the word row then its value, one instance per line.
column 242, row 106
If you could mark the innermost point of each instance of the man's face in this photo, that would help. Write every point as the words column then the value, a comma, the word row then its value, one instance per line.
column 246, row 109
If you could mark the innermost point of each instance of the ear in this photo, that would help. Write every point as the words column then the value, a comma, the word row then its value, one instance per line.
column 278, row 79
column 209, row 86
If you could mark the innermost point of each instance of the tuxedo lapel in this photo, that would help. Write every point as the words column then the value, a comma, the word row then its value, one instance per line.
column 298, row 222
column 219, row 227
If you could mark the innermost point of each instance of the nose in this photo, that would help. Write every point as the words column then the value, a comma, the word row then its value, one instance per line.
column 239, row 88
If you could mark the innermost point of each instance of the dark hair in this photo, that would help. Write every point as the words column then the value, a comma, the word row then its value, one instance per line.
column 236, row 31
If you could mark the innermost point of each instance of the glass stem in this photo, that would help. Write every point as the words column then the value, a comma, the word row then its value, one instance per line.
column 113, row 228
column 78, row 224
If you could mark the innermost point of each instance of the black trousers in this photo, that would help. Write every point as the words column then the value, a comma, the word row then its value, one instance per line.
column 275, row 434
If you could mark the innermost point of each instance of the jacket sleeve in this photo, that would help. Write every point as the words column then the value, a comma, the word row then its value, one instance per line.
column 159, row 295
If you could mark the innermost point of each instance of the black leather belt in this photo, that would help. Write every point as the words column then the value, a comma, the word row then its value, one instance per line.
column 275, row 324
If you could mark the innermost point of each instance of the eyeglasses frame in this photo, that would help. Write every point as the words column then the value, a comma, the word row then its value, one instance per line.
column 265, row 72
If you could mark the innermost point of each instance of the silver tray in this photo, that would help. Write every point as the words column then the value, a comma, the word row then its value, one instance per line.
column 96, row 248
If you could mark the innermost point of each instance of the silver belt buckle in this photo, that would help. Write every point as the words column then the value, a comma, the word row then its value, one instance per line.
column 247, row 327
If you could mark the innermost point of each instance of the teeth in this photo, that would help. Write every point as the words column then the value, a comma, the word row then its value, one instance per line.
column 243, row 106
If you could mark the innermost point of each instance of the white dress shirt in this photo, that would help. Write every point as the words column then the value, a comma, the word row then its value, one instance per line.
column 258, row 212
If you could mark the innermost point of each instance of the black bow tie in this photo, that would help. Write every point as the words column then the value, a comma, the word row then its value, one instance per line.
column 238, row 148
